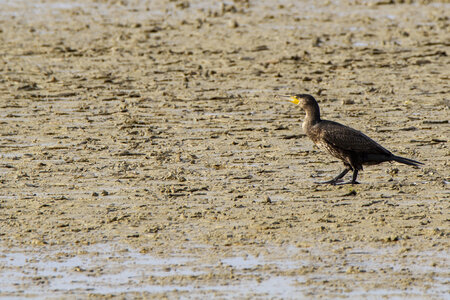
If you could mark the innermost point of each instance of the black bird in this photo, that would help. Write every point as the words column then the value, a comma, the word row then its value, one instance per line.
column 353, row 147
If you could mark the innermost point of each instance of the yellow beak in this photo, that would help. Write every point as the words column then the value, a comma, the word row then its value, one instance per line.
column 290, row 98
column 294, row 100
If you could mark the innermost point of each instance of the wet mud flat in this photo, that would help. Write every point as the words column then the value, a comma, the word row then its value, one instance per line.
column 143, row 153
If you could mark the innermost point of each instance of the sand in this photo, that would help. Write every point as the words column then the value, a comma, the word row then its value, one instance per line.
column 143, row 151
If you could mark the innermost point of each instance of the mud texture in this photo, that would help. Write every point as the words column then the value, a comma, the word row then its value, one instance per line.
column 134, row 131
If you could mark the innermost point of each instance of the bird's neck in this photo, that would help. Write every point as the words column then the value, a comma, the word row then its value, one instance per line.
column 312, row 116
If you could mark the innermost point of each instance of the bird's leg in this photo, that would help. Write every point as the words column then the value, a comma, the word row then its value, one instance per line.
column 337, row 178
column 355, row 174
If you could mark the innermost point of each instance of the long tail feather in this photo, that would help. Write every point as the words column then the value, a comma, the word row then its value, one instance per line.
column 407, row 161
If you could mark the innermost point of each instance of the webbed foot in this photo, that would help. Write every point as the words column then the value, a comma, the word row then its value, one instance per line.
column 332, row 181
column 349, row 182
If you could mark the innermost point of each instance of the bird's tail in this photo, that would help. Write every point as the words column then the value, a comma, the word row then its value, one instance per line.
column 406, row 161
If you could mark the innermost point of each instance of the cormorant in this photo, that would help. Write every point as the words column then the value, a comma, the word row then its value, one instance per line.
column 353, row 147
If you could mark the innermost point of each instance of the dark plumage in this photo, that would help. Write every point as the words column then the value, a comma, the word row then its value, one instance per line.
column 351, row 146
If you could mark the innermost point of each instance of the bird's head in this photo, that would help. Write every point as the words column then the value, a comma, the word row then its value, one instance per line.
column 304, row 100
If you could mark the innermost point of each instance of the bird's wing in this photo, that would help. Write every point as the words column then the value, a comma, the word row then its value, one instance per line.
column 349, row 139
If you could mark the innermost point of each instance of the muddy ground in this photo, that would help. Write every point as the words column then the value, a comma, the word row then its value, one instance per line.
column 143, row 151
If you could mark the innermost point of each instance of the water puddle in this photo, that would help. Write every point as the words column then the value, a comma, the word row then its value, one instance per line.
column 106, row 269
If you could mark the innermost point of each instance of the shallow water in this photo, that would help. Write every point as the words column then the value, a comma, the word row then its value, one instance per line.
column 106, row 269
